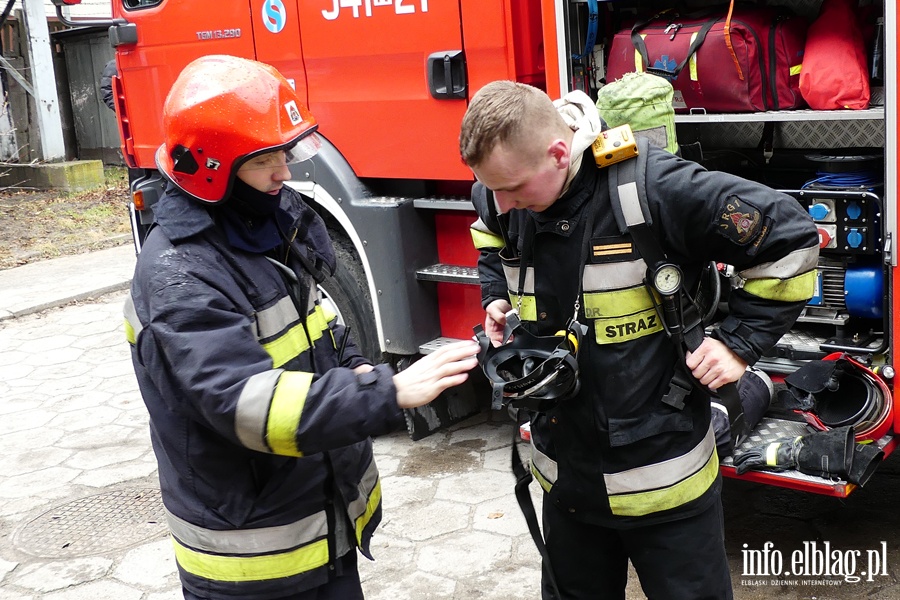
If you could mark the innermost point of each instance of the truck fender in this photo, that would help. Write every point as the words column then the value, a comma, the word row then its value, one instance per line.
column 402, row 311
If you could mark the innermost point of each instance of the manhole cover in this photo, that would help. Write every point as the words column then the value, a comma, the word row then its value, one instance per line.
column 94, row 525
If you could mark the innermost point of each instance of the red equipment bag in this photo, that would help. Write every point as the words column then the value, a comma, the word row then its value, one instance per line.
column 835, row 73
column 730, row 60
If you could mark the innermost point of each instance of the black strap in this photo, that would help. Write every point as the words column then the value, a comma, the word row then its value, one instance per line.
column 523, row 478
column 502, row 220
column 641, row 47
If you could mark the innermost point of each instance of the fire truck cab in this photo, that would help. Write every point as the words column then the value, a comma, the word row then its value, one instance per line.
column 389, row 81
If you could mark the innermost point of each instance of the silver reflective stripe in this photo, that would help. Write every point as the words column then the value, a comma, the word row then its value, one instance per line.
column 512, row 279
column 275, row 319
column 250, row 541
column 131, row 316
column 312, row 298
column 546, row 465
column 614, row 276
column 795, row 263
column 662, row 474
column 481, row 227
column 252, row 412
column 368, row 482
column 341, row 536
column 631, row 204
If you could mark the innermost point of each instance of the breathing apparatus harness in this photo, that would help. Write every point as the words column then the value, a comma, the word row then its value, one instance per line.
column 682, row 318
column 535, row 373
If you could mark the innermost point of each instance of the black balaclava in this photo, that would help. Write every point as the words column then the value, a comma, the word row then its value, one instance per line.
column 251, row 218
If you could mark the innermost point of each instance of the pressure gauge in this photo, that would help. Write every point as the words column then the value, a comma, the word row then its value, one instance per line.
column 667, row 279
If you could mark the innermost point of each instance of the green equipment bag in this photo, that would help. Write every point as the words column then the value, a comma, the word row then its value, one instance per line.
column 644, row 102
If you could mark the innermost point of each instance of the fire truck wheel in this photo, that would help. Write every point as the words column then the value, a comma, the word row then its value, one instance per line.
column 347, row 295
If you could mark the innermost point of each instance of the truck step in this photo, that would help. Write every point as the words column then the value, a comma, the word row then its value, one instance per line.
column 773, row 429
column 444, row 203
column 448, row 273
column 436, row 344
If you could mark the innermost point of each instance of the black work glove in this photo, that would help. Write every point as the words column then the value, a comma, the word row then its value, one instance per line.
column 827, row 454
column 779, row 455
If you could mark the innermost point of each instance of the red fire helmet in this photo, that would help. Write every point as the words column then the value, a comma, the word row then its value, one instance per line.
column 223, row 110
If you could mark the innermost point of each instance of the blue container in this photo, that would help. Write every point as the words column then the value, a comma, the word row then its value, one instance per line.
column 864, row 292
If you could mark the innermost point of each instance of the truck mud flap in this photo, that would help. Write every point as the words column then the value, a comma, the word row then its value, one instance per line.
column 451, row 407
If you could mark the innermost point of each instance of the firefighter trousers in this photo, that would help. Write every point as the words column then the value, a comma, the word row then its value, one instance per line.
column 677, row 560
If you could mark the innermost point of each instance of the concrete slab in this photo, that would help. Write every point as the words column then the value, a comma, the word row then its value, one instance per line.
column 36, row 286
column 71, row 175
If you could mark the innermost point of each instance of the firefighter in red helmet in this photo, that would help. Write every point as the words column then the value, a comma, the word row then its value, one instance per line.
column 261, row 408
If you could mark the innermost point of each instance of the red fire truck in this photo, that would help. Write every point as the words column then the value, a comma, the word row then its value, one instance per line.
column 389, row 81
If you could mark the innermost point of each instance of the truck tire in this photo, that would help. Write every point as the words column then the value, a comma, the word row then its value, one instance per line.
column 347, row 295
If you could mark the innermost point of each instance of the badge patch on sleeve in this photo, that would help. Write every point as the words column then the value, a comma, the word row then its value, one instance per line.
column 739, row 220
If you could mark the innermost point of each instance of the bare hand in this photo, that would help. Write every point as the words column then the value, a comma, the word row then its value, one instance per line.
column 495, row 320
column 422, row 381
column 714, row 364
column 363, row 369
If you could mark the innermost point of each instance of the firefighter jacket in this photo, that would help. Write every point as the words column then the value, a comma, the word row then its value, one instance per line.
column 614, row 454
column 262, row 437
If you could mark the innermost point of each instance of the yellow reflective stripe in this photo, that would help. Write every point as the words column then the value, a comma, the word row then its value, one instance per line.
column 616, row 330
column 795, row 70
column 545, row 483
column 133, row 325
column 371, row 507
column 529, row 307
column 290, row 345
column 638, row 61
column 251, row 568
column 772, row 454
column 676, row 481
column 483, row 239
column 795, row 289
column 317, row 322
column 772, row 451
column 359, row 507
column 693, row 61
column 285, row 411
column 617, row 303
column 294, row 342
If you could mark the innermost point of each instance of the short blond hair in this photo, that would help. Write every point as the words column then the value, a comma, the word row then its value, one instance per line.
column 510, row 113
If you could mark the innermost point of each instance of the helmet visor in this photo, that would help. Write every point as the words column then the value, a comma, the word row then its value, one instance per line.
column 304, row 149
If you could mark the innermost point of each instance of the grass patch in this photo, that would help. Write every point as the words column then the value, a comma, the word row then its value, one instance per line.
column 48, row 223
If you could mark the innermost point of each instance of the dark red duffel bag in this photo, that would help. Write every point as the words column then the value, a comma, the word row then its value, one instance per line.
column 745, row 60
